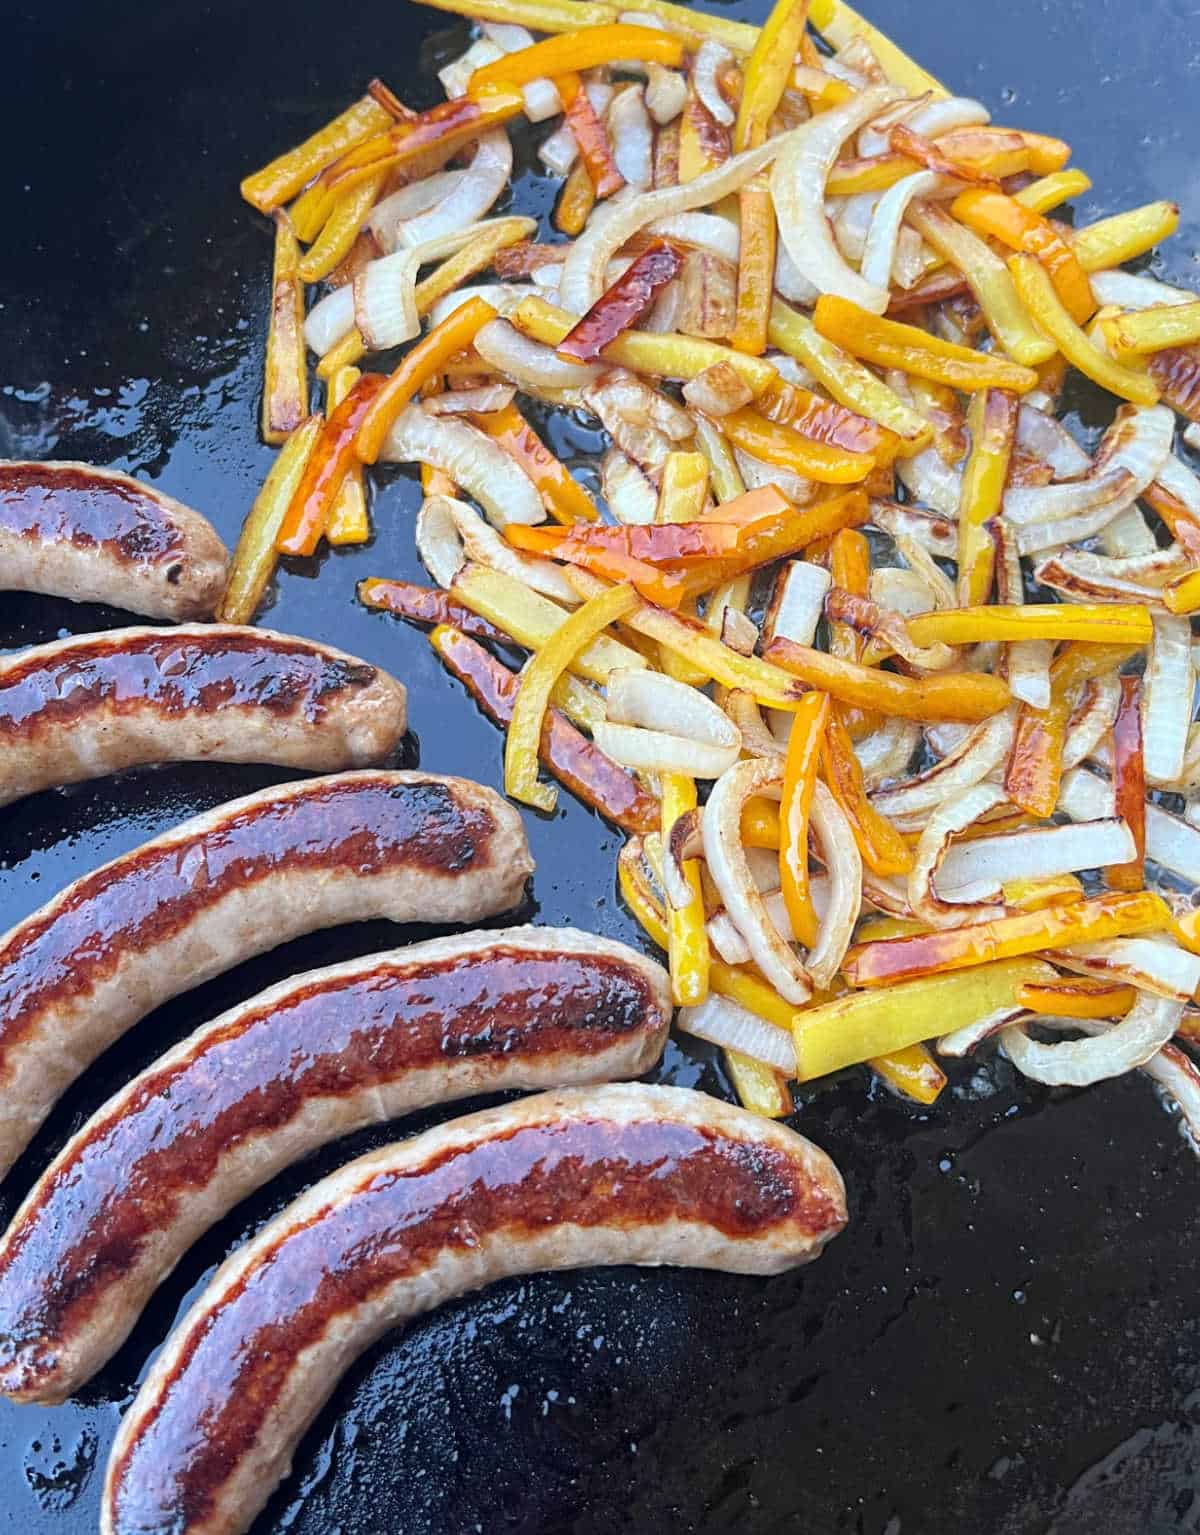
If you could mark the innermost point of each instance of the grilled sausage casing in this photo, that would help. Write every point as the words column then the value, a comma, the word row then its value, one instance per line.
column 316, row 1057
column 96, row 535
column 228, row 885
column 602, row 1175
column 97, row 703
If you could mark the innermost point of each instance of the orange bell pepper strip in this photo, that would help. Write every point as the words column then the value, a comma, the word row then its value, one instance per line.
column 279, row 181
column 826, row 421
column 1002, row 218
column 850, row 569
column 349, row 521
column 672, row 546
column 892, row 344
column 575, row 761
column 776, row 444
column 1054, row 927
column 426, row 605
column 312, row 504
column 591, row 137
column 565, row 498
column 1085, row 623
column 785, row 535
column 1077, row 997
column 664, row 588
column 906, row 141
column 572, row 51
column 756, row 266
column 576, row 201
column 799, row 777
column 992, row 422
column 965, row 696
column 883, row 849
column 622, row 305
column 683, row 488
column 1185, row 529
column 1129, row 783
column 285, row 379
column 456, row 332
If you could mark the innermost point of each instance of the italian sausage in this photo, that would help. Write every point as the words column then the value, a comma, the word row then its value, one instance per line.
column 569, row 1179
column 98, row 703
column 230, row 884
column 95, row 535
column 312, row 1059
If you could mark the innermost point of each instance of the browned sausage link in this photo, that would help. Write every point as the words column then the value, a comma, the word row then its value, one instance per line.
column 95, row 535
column 236, row 882
column 620, row 1174
column 317, row 1057
column 99, row 703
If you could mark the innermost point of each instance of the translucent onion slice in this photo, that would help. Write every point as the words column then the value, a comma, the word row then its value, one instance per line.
column 843, row 864
column 883, row 236
column 666, row 93
column 740, row 633
column 659, row 725
column 526, row 361
column 416, row 198
column 480, row 466
column 1039, row 853
column 728, row 941
column 873, row 140
column 718, row 390
column 683, row 844
column 1128, row 535
column 503, row 296
column 480, row 400
column 904, row 591
column 886, row 753
column 729, row 870
column 742, row 709
column 449, row 532
column 630, row 494
column 797, row 602
column 1138, row 1037
column 657, row 751
column 1157, row 965
column 1093, row 720
column 706, row 231
column 984, row 748
column 954, row 815
column 723, row 1022
column 711, row 59
column 456, row 76
column 791, row 283
column 1129, row 290
column 632, row 137
column 385, row 300
column 559, row 150
column 1176, row 1075
column 1167, row 700
column 1170, row 841
column 798, row 180
column 1045, row 437
column 933, row 482
column 329, row 319
column 936, row 533
column 1087, row 577
column 468, row 200
column 967, row 1039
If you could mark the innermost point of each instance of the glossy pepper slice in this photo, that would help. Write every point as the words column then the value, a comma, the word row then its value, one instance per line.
column 331, row 459
column 1129, row 784
column 992, row 422
column 565, row 498
column 622, row 305
column 272, row 186
column 591, row 138
column 687, row 937
column 585, row 49
column 965, row 696
column 884, row 850
column 1005, row 219
column 803, row 759
column 285, row 378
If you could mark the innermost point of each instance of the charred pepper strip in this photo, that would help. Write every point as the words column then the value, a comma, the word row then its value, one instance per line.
column 1021, row 229
column 584, row 49
column 624, row 304
column 992, row 421
column 565, row 498
column 575, row 761
column 1055, row 927
column 1129, row 784
column 662, row 587
column 781, row 445
column 883, row 848
column 826, row 421
column 591, row 137
column 285, row 380
column 426, row 605
column 576, row 201
column 799, row 778
column 312, row 504
column 687, row 937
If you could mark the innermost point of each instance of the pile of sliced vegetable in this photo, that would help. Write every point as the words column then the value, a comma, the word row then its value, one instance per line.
column 889, row 681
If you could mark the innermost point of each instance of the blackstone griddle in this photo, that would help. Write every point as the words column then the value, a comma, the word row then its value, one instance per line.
column 1007, row 1339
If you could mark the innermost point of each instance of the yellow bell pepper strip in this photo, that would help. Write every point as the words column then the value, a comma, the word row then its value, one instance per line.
column 995, row 152
column 1110, row 242
column 939, row 404
column 855, row 1027
column 1152, row 330
column 536, row 15
column 1077, row 997
column 1044, row 306
column 1129, row 784
column 911, row 1071
column 892, row 344
column 255, row 558
column 348, row 521
column 661, row 354
column 456, row 332
column 850, row 384
column 826, row 421
column 532, row 620
column 576, row 201
column 332, row 458
column 1185, row 929
column 272, row 186
column 1090, row 623
column 683, row 489
column 876, row 173
column 523, row 742
column 1183, row 594
column 799, row 778
column 1002, row 218
column 780, row 536
column 756, row 264
column 473, row 258
column 768, row 70
column 586, row 49
column 776, row 444
column 883, row 849
column 1055, row 927
column 1034, row 894
column 591, row 137
column 760, row 1089
column 285, row 378
column 1049, row 191
column 905, row 141
column 563, row 496
column 840, row 24
column 988, row 280
column 345, row 353
column 761, row 824
column 992, row 421
column 341, row 229
column 966, row 696
column 727, row 482
column 687, row 937
column 703, row 142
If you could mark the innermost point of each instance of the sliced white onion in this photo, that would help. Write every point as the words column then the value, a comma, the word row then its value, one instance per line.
column 851, row 219
column 937, row 534
column 415, row 198
column 706, row 231
column 666, row 93
column 657, row 751
column 718, row 390
column 652, row 700
column 844, row 865
column 798, row 192
column 1039, row 853
column 1191, row 435
column 500, row 295
column 726, row 1023
column 1128, row 535
column 447, row 517
column 559, row 150
column 473, row 461
column 1177, row 479
column 1176, row 1074
column 797, row 602
column 632, row 137
column 711, row 59
column 479, row 400
column 331, row 318
column 791, row 283
column 1093, row 718
column 1043, row 436
column 1170, row 841
column 682, row 845
column 465, row 204
column 385, row 300
column 938, row 906
column 585, row 268
column 943, row 114
column 885, row 754
column 728, row 941
column 873, row 140
column 739, row 633
column 883, row 237
column 904, row 591
column 1167, row 699
column 456, row 76
column 631, row 496
column 526, row 361
column 541, row 96
column 756, row 473
column 933, row 482
column 965, row 1040
column 757, row 739
column 728, row 868
column 984, row 748
column 438, row 541
column 1128, row 290
column 1148, row 1025
column 1157, row 965
column 1087, row 577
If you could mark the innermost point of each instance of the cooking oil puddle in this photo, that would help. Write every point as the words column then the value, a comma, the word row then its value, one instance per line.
column 57, row 1469
column 1152, row 1473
